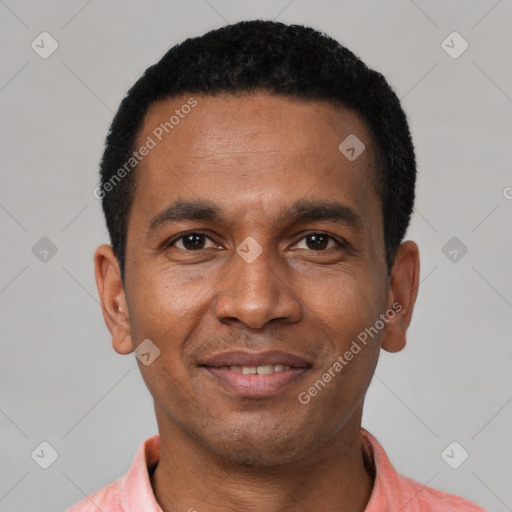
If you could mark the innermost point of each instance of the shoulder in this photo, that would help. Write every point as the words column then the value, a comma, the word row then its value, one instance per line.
column 134, row 486
column 393, row 491
column 428, row 499
column 107, row 498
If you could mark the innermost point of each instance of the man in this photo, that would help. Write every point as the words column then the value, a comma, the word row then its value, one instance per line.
column 257, row 183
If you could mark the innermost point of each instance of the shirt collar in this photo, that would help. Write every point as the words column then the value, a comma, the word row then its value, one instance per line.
column 137, row 492
column 384, row 495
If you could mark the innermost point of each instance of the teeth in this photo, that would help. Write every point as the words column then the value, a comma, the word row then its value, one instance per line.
column 260, row 370
column 265, row 370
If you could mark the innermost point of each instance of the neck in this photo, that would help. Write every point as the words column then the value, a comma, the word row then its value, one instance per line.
column 189, row 477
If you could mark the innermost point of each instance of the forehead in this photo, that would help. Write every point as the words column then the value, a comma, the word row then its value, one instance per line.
column 216, row 124
column 252, row 151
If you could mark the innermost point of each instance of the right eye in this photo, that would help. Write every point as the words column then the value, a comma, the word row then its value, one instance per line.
column 190, row 241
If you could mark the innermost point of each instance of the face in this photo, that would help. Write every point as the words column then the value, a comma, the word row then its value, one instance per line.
column 253, row 241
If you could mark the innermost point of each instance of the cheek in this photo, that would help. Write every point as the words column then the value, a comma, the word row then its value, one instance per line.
column 351, row 350
column 164, row 304
column 343, row 313
column 166, row 382
column 166, row 310
column 345, row 305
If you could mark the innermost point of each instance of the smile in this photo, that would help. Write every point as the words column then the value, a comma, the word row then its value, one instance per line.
column 256, row 381
column 260, row 370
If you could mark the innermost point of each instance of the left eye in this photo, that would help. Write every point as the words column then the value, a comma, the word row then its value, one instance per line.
column 319, row 241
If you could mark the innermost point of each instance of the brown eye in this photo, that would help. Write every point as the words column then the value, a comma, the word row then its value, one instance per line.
column 190, row 241
column 319, row 241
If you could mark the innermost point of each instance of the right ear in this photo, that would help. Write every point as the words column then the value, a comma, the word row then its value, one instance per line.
column 112, row 297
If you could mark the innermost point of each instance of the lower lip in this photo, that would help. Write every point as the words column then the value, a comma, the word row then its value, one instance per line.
column 254, row 385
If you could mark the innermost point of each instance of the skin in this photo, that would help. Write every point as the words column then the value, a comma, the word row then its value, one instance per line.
column 254, row 155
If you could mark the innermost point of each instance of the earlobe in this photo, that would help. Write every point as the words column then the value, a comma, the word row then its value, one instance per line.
column 112, row 298
column 403, row 290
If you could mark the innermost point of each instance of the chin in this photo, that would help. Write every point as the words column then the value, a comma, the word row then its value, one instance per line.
column 256, row 455
column 258, row 447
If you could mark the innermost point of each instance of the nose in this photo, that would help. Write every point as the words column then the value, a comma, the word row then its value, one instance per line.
column 257, row 292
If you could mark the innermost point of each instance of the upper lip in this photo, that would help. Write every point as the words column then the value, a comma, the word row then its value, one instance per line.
column 242, row 358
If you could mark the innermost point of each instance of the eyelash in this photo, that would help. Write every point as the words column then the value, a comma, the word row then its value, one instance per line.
column 175, row 239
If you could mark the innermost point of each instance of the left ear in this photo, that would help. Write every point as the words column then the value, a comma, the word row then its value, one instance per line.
column 403, row 290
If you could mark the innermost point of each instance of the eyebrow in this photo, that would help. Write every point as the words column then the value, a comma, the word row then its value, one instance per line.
column 302, row 211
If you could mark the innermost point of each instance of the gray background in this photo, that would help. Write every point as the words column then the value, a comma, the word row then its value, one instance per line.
column 61, row 381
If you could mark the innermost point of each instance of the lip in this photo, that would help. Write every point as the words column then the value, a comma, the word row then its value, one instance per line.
column 254, row 385
column 244, row 358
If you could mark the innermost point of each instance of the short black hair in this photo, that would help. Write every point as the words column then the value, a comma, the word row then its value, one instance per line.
column 290, row 60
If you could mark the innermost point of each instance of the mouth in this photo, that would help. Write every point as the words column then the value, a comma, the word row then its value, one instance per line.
column 256, row 374
column 265, row 369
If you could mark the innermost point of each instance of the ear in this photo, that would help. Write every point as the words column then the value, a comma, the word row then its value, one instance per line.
column 403, row 290
column 112, row 297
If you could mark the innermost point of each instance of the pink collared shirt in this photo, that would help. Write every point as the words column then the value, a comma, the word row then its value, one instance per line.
column 392, row 492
